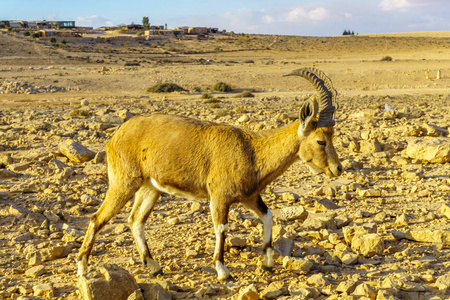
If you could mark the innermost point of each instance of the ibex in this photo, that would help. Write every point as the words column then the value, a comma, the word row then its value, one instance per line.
column 151, row 155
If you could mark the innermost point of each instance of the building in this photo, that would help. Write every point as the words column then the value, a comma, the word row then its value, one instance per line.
column 197, row 30
column 59, row 33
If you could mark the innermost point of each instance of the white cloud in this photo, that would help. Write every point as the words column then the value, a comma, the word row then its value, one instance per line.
column 93, row 21
column 268, row 19
column 296, row 15
column 348, row 15
column 318, row 14
column 395, row 4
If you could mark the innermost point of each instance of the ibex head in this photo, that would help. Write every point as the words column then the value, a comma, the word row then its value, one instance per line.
column 316, row 125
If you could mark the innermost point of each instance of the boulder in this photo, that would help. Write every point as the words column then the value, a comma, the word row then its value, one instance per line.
column 368, row 245
column 297, row 264
column 436, row 150
column 274, row 290
column 108, row 282
column 154, row 291
column 75, row 152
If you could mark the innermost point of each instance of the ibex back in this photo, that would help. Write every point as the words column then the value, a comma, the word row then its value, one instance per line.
column 155, row 154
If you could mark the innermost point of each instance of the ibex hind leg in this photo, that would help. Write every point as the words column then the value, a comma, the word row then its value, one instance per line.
column 144, row 201
column 219, row 215
column 116, row 197
column 265, row 215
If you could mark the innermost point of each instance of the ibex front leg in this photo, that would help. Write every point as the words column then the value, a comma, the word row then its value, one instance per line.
column 219, row 214
column 265, row 215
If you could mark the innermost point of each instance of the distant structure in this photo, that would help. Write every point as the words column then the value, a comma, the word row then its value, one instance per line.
column 39, row 24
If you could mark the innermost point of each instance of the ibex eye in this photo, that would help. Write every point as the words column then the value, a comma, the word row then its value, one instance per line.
column 322, row 143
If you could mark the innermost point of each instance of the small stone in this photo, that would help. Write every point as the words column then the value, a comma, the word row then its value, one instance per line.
column 283, row 246
column 191, row 253
column 237, row 242
column 197, row 207
column 325, row 204
column 297, row 264
column 365, row 290
column 173, row 221
column 35, row 271
column 274, row 290
column 347, row 286
column 155, row 291
column 369, row 193
column 368, row 245
column 317, row 280
column 75, row 152
column 88, row 200
column 248, row 293
column 349, row 258
column 402, row 220
column 108, row 282
column 43, row 290
column 291, row 213
column 244, row 119
column 445, row 210
column 443, row 283
column 84, row 102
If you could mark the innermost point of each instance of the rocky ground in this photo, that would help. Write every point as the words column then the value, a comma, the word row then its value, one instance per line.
column 380, row 231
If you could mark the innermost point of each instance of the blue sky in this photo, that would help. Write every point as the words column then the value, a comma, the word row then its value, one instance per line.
column 286, row 17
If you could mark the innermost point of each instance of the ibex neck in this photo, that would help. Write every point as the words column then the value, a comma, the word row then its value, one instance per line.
column 275, row 151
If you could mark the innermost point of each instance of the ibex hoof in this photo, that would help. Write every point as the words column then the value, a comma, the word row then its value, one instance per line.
column 159, row 272
column 268, row 269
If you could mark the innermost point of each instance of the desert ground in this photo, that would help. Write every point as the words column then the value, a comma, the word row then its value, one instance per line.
column 379, row 231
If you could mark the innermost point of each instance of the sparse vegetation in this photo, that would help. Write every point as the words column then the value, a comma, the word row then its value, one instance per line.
column 206, row 96
column 80, row 112
column 245, row 94
column 165, row 88
column 386, row 58
column 222, row 87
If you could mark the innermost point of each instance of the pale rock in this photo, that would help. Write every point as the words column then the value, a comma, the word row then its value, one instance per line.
column 283, row 246
column 286, row 196
column 248, row 293
column 196, row 207
column 190, row 253
column 17, row 210
column 6, row 159
column 51, row 216
column 291, row 213
column 385, row 295
column 125, row 114
column 75, row 152
column 349, row 258
column 84, row 102
column 369, row 193
column 350, row 231
column 370, row 146
column 424, row 235
column 347, row 286
column 236, row 242
column 244, row 119
column 297, row 265
column 445, row 210
column 88, row 200
column 35, row 271
column 368, row 245
column 154, row 291
column 99, row 157
column 323, row 220
column 443, row 283
column 436, row 150
column 137, row 295
column 365, row 290
column 19, row 167
column 318, row 280
column 108, row 282
column 274, row 290
column 43, row 290
column 5, row 174
column 325, row 204
column 433, row 130
column 402, row 220
column 95, row 169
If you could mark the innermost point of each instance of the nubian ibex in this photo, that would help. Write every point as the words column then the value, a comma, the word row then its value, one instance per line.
column 155, row 154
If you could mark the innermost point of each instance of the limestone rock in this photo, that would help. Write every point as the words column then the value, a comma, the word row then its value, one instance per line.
column 248, row 293
column 35, row 271
column 424, row 235
column 368, row 245
column 443, row 283
column 108, row 282
column 370, row 146
column 284, row 246
column 43, row 290
column 436, row 150
column 154, row 291
column 297, row 264
column 274, row 290
column 4, row 174
column 318, row 280
column 365, row 290
column 291, row 213
column 445, row 210
column 75, row 152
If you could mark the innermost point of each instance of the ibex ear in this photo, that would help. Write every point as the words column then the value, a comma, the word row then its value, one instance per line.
column 308, row 113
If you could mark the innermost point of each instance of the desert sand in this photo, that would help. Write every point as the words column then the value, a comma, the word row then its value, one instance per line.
column 380, row 230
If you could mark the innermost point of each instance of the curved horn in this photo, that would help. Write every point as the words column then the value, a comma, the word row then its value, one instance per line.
column 325, row 89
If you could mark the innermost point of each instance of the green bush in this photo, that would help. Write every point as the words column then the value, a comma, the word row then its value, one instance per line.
column 132, row 64
column 165, row 88
column 26, row 33
column 35, row 35
column 53, row 40
column 222, row 87
column 386, row 58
